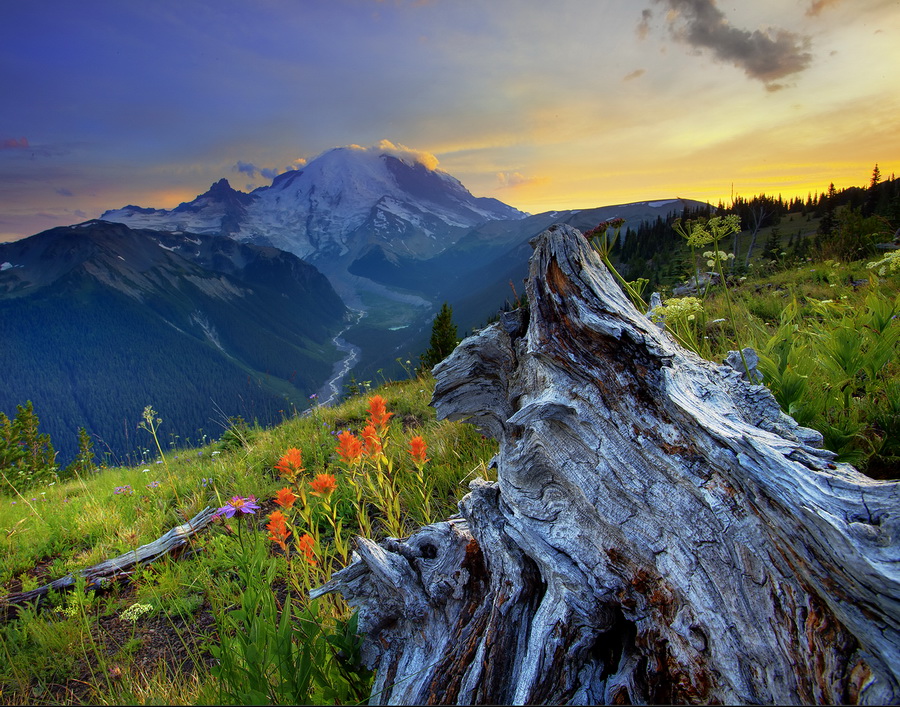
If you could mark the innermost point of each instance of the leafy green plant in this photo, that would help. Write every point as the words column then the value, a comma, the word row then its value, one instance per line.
column 836, row 372
column 268, row 654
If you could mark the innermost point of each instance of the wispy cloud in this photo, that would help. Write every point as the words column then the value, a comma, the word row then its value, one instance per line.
column 636, row 74
column 643, row 28
column 247, row 168
column 21, row 145
column 62, row 191
column 765, row 55
column 509, row 180
column 14, row 144
column 402, row 152
column 815, row 8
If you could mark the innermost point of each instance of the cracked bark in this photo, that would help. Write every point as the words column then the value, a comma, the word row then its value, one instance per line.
column 659, row 532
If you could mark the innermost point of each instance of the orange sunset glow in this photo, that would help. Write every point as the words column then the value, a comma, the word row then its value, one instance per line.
column 543, row 106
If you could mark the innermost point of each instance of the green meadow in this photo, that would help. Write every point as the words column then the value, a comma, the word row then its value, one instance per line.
column 226, row 618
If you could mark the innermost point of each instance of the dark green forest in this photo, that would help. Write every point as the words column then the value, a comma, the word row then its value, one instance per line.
column 252, row 339
column 182, row 377
column 840, row 224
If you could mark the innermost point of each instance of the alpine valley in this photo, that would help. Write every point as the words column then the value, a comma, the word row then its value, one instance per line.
column 247, row 304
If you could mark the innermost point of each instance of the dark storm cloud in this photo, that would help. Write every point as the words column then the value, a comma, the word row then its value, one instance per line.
column 764, row 55
column 248, row 168
column 251, row 170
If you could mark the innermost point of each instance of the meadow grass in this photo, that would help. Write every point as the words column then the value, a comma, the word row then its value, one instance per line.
column 227, row 620
column 176, row 631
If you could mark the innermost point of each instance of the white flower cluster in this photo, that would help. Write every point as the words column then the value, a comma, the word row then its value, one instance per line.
column 678, row 309
column 712, row 255
column 135, row 611
column 713, row 230
column 889, row 263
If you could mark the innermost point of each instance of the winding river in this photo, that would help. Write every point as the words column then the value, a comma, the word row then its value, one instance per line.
column 332, row 390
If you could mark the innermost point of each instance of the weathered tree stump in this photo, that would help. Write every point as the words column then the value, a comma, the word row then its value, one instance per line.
column 659, row 531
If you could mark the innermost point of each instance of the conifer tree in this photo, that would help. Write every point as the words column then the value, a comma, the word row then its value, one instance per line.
column 871, row 203
column 38, row 461
column 444, row 338
column 829, row 220
column 772, row 247
column 11, row 451
column 84, row 462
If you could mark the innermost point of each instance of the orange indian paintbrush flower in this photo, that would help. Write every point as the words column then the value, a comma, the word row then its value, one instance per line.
column 277, row 528
column 349, row 447
column 291, row 464
column 378, row 414
column 372, row 441
column 285, row 497
column 418, row 449
column 306, row 545
column 323, row 485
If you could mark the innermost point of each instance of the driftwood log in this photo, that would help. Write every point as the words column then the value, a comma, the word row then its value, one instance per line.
column 110, row 570
column 659, row 532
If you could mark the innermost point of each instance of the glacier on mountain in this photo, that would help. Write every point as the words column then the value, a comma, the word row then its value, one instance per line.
column 337, row 206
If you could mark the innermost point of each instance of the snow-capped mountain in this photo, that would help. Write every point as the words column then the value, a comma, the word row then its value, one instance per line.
column 340, row 205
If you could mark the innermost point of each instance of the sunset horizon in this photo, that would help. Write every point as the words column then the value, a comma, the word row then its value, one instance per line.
column 570, row 106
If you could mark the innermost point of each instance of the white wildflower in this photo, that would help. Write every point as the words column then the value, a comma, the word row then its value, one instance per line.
column 888, row 264
column 135, row 611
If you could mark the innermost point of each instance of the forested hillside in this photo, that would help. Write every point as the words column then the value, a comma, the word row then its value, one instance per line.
column 99, row 321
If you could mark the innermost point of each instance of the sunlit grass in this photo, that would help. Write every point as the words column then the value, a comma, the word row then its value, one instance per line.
column 67, row 527
column 78, row 646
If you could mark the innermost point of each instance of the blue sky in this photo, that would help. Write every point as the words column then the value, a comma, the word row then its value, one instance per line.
column 543, row 105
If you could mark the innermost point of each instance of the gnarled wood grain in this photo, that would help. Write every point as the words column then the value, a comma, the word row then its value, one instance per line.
column 659, row 531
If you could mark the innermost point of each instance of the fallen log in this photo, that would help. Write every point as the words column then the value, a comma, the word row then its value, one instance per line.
column 109, row 570
column 660, row 532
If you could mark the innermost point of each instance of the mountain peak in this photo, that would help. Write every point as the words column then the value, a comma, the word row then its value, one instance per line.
column 221, row 191
column 339, row 205
column 221, row 187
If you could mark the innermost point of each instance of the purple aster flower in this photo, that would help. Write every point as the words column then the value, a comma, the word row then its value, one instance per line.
column 238, row 504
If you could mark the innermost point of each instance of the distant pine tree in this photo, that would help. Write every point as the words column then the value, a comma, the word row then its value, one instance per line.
column 84, row 462
column 27, row 456
column 829, row 220
column 11, row 452
column 444, row 338
column 873, row 192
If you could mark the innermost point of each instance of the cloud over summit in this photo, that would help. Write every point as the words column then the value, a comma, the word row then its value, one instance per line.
column 401, row 152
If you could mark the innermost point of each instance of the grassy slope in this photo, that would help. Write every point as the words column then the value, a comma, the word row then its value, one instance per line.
column 50, row 532
column 94, row 654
